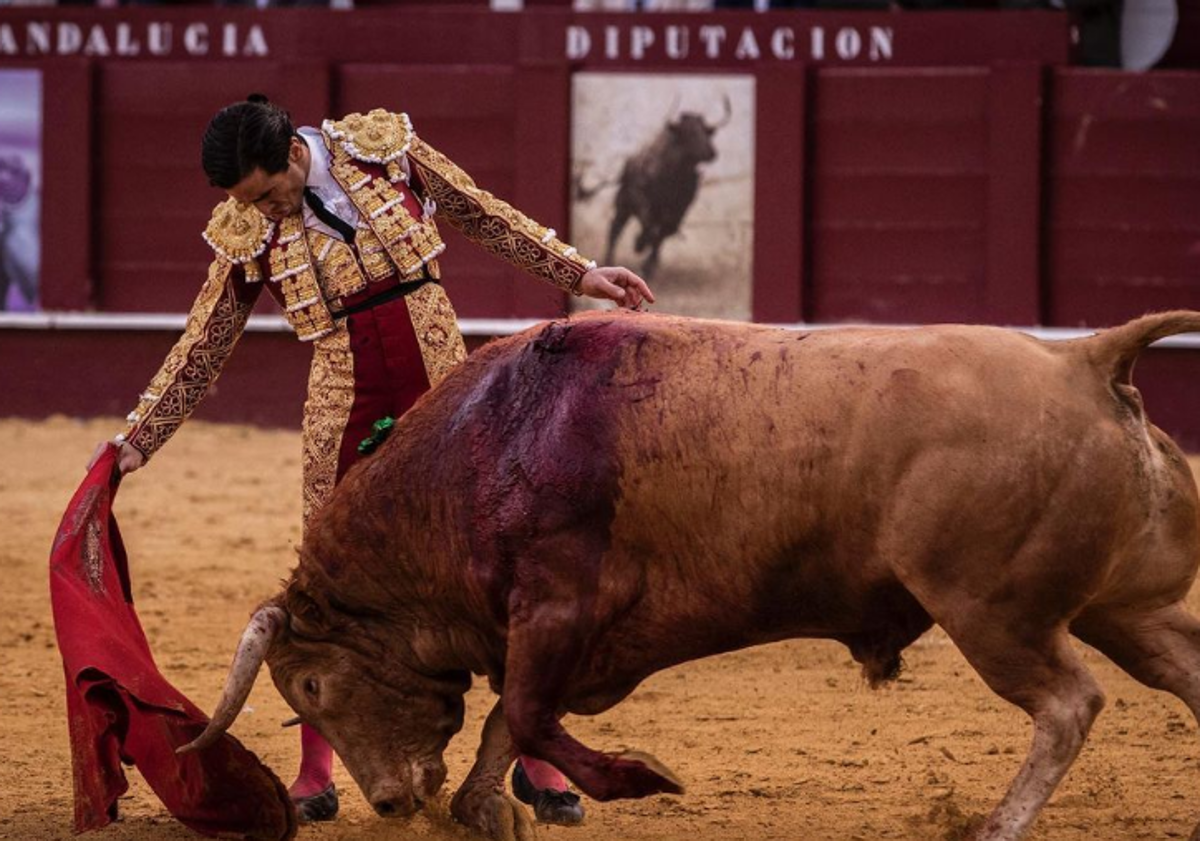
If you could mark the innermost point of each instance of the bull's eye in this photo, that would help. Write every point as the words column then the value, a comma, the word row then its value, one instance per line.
column 311, row 687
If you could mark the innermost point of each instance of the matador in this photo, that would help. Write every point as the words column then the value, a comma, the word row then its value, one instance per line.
column 339, row 226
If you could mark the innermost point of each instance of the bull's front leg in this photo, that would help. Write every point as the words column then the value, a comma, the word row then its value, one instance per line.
column 481, row 802
column 542, row 652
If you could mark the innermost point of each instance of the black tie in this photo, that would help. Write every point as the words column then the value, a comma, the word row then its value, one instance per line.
column 318, row 207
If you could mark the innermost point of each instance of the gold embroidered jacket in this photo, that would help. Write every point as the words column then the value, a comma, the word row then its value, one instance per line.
column 380, row 162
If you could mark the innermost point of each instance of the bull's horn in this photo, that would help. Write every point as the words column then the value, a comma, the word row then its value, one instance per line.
column 251, row 652
column 728, row 114
column 674, row 107
column 291, row 722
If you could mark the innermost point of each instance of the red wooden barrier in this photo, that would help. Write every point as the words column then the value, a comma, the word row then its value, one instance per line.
column 493, row 90
column 152, row 199
column 910, row 167
column 1123, row 187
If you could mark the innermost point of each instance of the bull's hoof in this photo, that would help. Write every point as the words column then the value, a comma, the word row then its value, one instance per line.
column 558, row 807
column 494, row 814
column 563, row 808
column 645, row 775
column 317, row 807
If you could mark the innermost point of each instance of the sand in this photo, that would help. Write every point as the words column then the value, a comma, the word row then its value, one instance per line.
column 780, row 742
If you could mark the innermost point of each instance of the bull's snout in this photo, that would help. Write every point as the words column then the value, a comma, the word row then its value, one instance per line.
column 393, row 797
column 396, row 806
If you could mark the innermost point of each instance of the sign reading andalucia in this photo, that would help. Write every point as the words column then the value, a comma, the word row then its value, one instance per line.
column 103, row 39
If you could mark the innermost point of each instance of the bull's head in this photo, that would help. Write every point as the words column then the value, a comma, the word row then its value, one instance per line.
column 691, row 134
column 388, row 720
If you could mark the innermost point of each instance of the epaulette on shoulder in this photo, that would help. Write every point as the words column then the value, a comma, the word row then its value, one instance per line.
column 379, row 137
column 238, row 232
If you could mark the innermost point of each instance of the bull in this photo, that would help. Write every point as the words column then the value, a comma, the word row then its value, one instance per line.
column 595, row 500
column 658, row 184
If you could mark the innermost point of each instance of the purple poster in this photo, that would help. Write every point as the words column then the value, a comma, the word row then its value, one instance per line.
column 20, row 188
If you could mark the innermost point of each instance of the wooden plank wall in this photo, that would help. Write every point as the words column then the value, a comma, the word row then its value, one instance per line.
column 1122, row 175
column 1009, row 190
column 152, row 200
column 899, row 195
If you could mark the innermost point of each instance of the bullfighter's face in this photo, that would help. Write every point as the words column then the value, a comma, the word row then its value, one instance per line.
column 388, row 723
column 277, row 195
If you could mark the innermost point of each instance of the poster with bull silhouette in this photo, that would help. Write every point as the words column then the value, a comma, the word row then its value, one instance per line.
column 20, row 188
column 663, row 182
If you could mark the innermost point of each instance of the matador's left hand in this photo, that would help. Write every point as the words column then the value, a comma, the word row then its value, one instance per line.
column 615, row 283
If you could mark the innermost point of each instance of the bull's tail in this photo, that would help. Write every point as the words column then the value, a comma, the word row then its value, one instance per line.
column 1113, row 352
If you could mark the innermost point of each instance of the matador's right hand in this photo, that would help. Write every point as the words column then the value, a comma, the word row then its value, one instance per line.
column 129, row 458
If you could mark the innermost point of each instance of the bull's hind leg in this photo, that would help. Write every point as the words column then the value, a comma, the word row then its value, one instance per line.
column 1160, row 648
column 1036, row 669
column 481, row 802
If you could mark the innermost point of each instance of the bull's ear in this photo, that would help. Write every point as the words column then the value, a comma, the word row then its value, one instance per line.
column 305, row 616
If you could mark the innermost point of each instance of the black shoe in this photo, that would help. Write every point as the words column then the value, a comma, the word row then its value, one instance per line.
column 557, row 807
column 317, row 807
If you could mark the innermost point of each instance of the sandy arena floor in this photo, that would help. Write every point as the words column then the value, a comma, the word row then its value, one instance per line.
column 781, row 742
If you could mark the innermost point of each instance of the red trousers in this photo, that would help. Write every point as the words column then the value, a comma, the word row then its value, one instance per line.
column 389, row 373
column 370, row 368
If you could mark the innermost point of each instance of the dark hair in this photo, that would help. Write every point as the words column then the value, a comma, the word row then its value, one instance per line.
column 243, row 137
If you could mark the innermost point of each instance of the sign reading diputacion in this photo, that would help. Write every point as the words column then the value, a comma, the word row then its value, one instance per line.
column 716, row 41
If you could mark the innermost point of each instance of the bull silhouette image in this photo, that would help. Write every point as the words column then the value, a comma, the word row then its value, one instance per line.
column 659, row 182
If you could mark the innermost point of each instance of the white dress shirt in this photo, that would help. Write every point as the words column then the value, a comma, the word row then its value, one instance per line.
column 321, row 182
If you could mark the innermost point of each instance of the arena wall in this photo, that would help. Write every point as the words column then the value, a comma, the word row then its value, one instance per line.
column 912, row 167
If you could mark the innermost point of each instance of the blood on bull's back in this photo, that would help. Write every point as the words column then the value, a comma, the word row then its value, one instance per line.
column 724, row 466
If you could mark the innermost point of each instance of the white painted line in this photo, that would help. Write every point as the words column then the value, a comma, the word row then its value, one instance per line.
column 174, row 322
column 1187, row 341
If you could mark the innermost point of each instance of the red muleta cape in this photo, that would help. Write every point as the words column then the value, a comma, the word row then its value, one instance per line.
column 121, row 709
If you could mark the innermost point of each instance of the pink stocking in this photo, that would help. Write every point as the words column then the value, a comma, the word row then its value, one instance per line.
column 316, row 764
column 543, row 775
